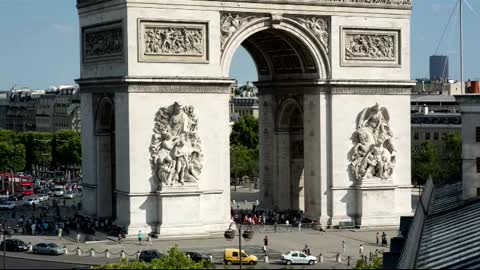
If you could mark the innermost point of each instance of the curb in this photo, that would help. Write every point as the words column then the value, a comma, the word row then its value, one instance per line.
column 48, row 260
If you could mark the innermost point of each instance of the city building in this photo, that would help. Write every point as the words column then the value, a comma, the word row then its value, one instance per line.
column 438, row 68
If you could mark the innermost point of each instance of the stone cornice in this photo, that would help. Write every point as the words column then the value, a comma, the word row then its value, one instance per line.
column 386, row 4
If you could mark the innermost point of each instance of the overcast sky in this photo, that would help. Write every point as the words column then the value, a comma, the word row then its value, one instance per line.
column 39, row 44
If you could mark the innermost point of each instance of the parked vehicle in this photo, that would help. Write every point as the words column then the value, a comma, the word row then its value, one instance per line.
column 51, row 248
column 30, row 201
column 231, row 256
column 14, row 245
column 7, row 205
column 16, row 197
column 58, row 190
column 196, row 257
column 149, row 255
column 43, row 197
column 49, row 192
column 69, row 195
column 298, row 257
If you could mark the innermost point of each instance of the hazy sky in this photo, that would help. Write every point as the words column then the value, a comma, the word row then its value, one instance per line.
column 39, row 42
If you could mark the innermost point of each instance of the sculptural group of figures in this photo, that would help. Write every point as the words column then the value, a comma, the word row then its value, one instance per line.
column 173, row 40
column 370, row 46
column 176, row 154
column 373, row 154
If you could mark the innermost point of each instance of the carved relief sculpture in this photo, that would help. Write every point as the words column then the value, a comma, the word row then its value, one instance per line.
column 318, row 26
column 175, row 148
column 370, row 46
column 165, row 41
column 231, row 23
column 373, row 154
column 102, row 42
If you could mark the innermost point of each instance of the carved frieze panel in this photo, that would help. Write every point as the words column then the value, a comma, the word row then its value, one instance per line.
column 370, row 47
column 176, row 155
column 172, row 41
column 102, row 42
column 373, row 155
column 318, row 26
column 230, row 23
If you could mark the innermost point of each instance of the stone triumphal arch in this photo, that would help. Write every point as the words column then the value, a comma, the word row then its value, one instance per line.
column 334, row 109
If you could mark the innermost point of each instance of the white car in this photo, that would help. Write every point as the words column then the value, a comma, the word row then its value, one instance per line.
column 58, row 191
column 42, row 197
column 7, row 205
column 298, row 257
column 69, row 195
column 31, row 201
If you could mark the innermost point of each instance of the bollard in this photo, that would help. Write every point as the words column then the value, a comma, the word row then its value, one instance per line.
column 266, row 258
column 348, row 260
column 79, row 252
column 107, row 254
column 65, row 249
column 338, row 258
column 138, row 255
column 92, row 253
column 321, row 258
column 122, row 254
column 211, row 258
column 370, row 259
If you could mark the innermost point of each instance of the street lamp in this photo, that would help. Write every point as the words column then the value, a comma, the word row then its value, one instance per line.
column 247, row 234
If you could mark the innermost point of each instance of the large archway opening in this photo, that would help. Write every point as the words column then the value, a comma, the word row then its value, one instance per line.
column 281, row 60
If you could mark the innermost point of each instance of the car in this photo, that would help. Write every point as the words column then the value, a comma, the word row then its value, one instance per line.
column 69, row 195
column 50, row 248
column 197, row 257
column 31, row 201
column 42, row 197
column 13, row 245
column 230, row 256
column 15, row 197
column 49, row 192
column 7, row 205
column 298, row 257
column 58, row 190
column 149, row 255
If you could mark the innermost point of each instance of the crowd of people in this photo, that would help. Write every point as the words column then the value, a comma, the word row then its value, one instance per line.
column 268, row 217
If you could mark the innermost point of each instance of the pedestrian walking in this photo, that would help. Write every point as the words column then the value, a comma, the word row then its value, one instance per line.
column 265, row 244
column 361, row 250
column 288, row 224
column 78, row 237
column 275, row 226
column 299, row 225
column 378, row 239
column 119, row 239
column 140, row 236
column 60, row 231
column 33, row 227
column 306, row 250
column 344, row 247
column 149, row 238
column 384, row 239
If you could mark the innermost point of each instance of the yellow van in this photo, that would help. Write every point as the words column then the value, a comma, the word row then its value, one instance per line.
column 231, row 257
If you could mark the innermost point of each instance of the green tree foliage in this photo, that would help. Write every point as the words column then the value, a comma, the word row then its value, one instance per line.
column 175, row 259
column 60, row 152
column 426, row 163
column 376, row 263
column 245, row 132
column 453, row 170
column 37, row 147
column 12, row 156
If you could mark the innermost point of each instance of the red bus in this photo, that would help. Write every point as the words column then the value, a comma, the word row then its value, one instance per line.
column 15, row 184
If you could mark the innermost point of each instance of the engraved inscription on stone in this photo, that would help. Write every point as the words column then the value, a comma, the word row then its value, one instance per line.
column 175, row 149
column 103, row 43
column 172, row 41
column 367, row 46
column 373, row 155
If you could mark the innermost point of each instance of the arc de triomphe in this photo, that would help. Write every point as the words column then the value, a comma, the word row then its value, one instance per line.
column 334, row 109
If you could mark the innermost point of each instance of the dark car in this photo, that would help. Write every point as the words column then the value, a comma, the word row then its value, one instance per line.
column 16, row 197
column 14, row 245
column 196, row 257
column 149, row 255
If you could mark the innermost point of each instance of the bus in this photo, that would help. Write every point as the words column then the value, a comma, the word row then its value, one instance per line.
column 12, row 183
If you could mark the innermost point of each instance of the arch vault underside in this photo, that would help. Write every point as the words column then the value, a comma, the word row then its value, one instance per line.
column 333, row 95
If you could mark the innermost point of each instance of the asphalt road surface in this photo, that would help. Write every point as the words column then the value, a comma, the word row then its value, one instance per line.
column 17, row 263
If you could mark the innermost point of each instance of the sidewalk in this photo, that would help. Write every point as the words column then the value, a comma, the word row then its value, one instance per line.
column 326, row 243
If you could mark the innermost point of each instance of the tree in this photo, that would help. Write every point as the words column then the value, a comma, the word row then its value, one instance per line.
column 175, row 259
column 453, row 170
column 245, row 132
column 426, row 163
column 12, row 156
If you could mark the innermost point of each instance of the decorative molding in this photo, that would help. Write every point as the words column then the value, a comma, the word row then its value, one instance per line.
column 373, row 156
column 370, row 47
column 103, row 43
column 176, row 154
column 390, row 4
column 172, row 41
column 178, row 88
column 230, row 23
column 318, row 26
column 320, row 89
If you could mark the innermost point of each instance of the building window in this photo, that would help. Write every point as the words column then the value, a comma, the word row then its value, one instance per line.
column 478, row 165
column 435, row 136
column 415, row 136
column 427, row 136
column 477, row 134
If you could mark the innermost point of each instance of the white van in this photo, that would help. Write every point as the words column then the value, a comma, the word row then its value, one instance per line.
column 58, row 190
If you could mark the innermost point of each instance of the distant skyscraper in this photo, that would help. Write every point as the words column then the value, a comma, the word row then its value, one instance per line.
column 438, row 67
